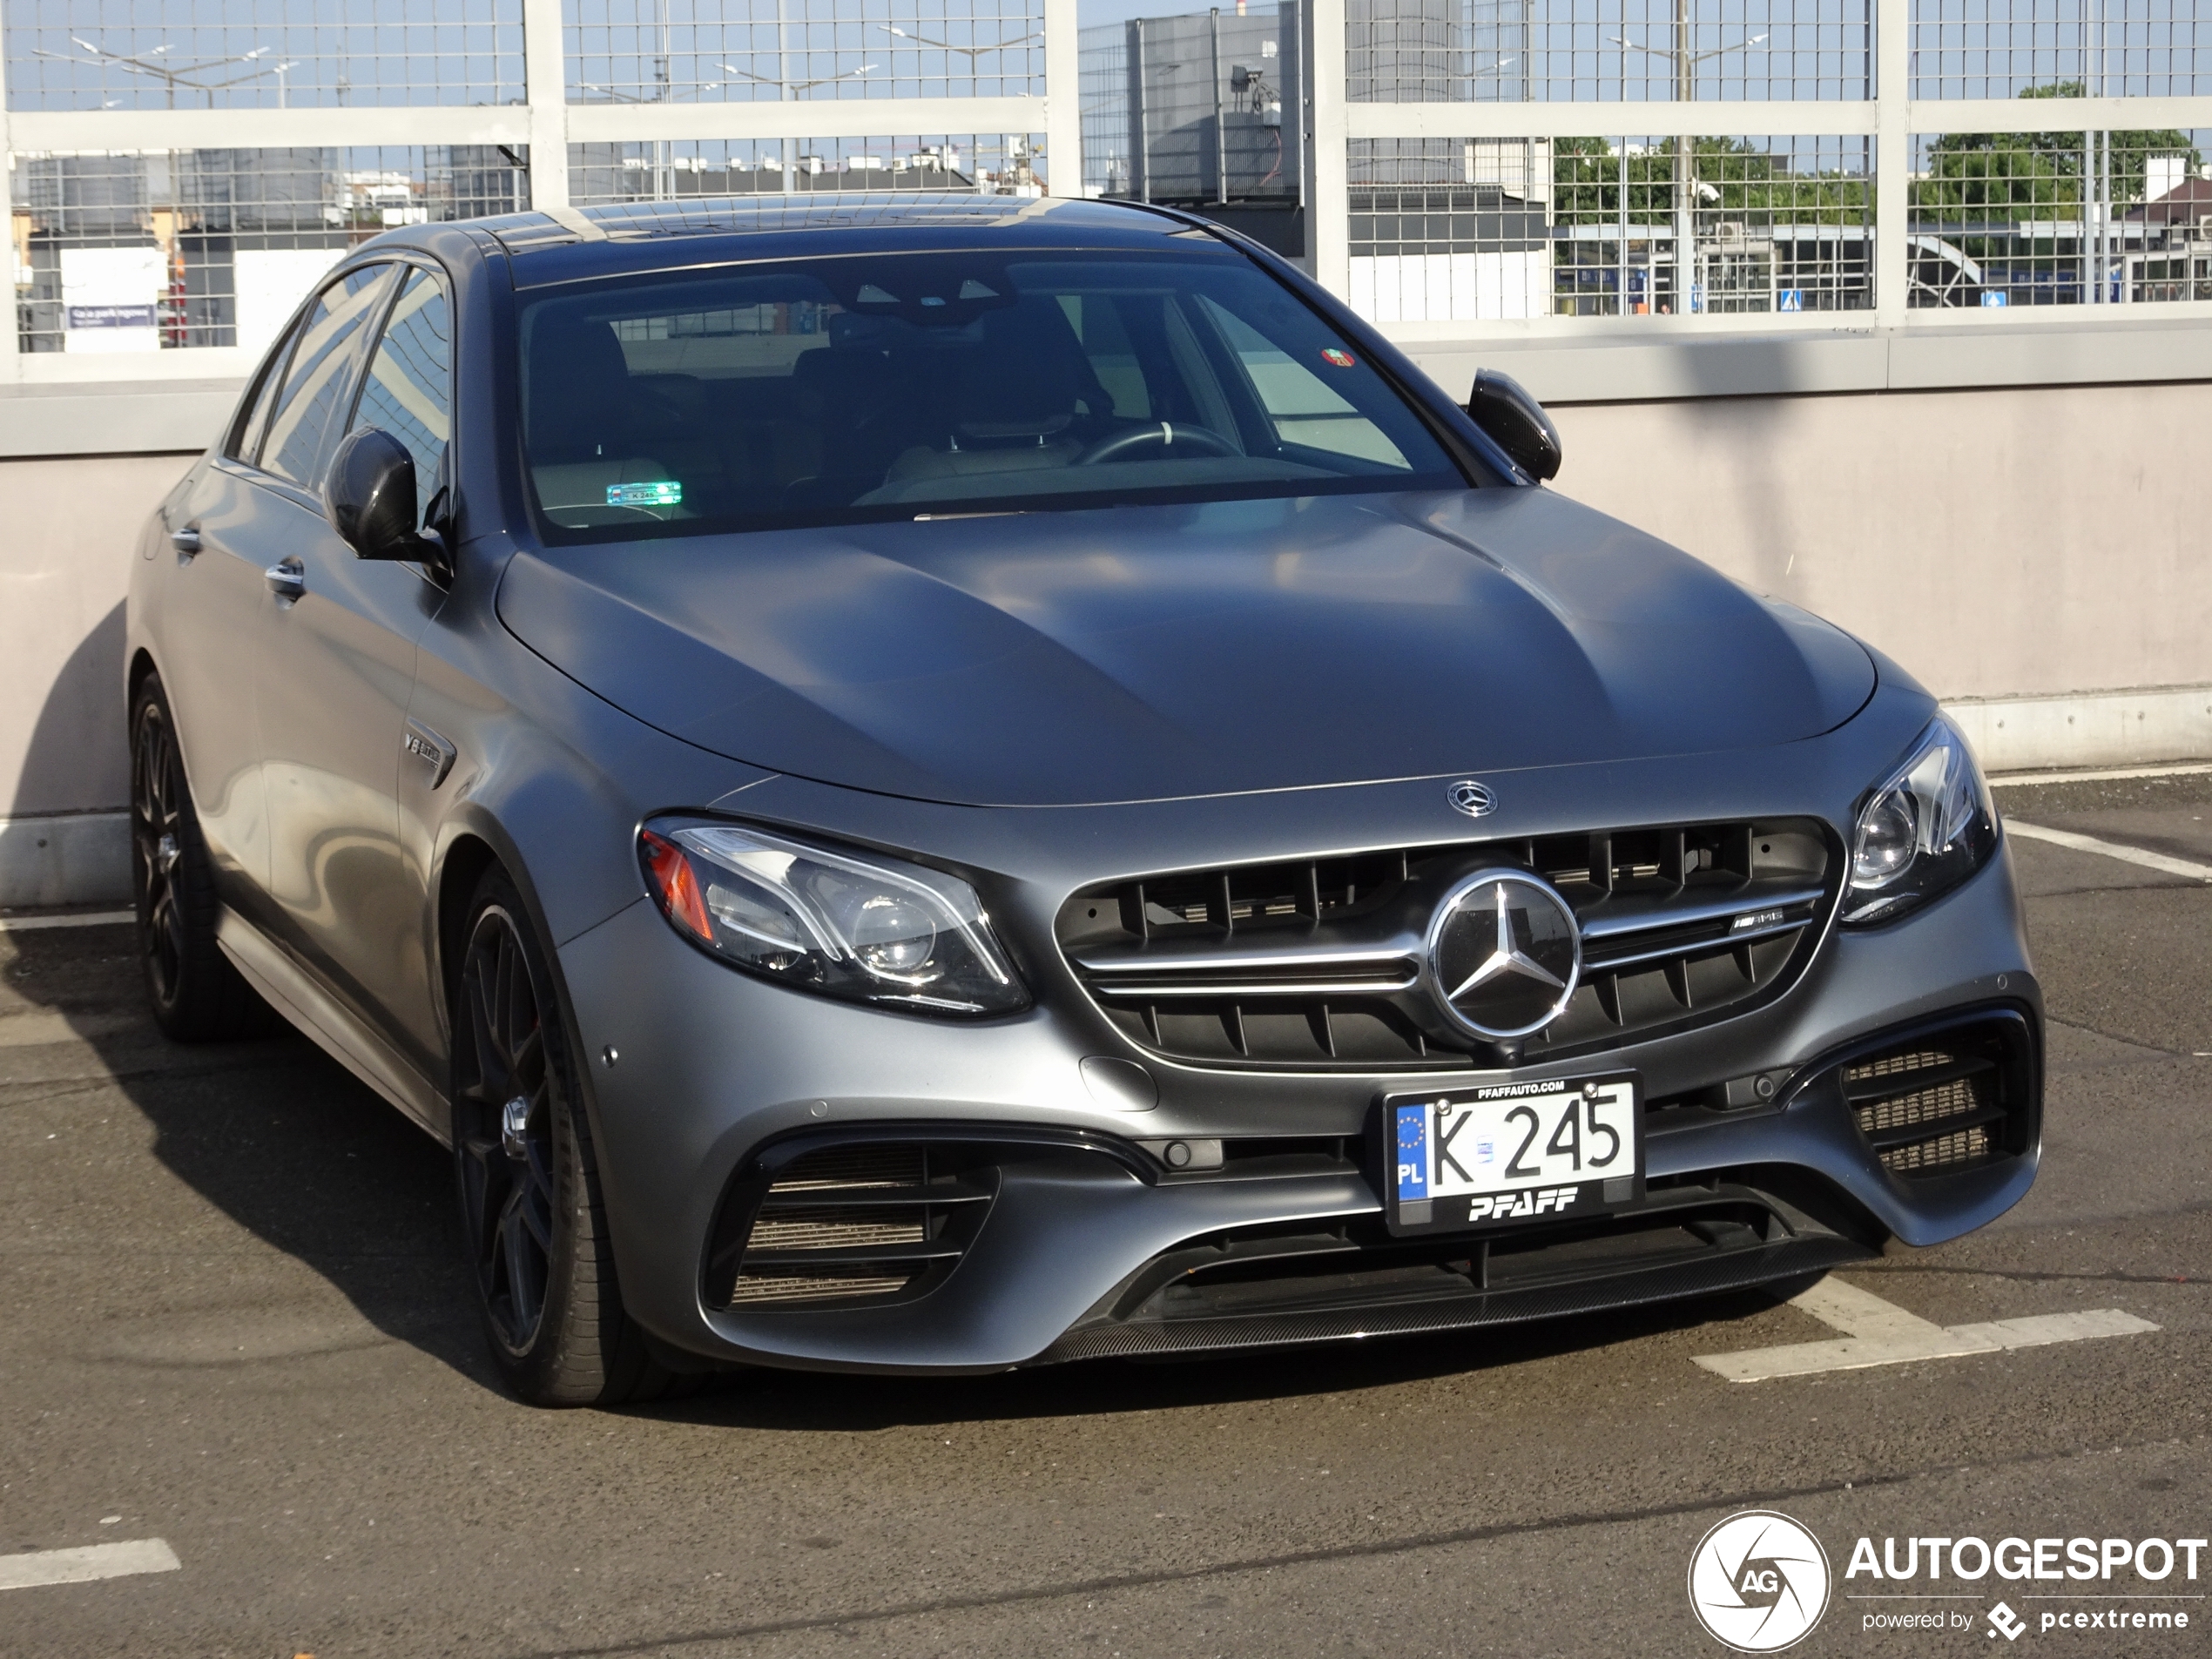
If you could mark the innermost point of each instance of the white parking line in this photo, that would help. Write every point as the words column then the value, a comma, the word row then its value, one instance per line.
column 79, row 918
column 92, row 1561
column 1882, row 1333
column 2108, row 774
column 2112, row 850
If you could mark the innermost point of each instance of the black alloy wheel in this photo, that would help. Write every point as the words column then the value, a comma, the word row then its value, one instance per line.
column 196, row 994
column 505, row 1132
column 530, row 1212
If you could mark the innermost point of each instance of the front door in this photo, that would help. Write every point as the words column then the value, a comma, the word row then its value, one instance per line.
column 332, row 675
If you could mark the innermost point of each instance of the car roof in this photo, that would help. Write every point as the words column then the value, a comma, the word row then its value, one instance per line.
column 570, row 244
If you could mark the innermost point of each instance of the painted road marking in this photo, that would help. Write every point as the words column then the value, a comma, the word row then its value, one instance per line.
column 93, row 1561
column 1881, row 1334
column 80, row 919
column 2106, row 774
column 2110, row 850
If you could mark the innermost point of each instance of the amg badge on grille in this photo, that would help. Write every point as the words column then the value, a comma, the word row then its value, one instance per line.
column 1473, row 798
column 1504, row 952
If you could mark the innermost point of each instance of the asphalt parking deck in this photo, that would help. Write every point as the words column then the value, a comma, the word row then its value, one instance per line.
column 231, row 1319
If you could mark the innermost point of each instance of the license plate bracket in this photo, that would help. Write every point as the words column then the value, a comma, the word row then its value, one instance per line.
column 1512, row 1154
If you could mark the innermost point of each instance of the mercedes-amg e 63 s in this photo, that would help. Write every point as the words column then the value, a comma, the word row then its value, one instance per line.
column 972, row 783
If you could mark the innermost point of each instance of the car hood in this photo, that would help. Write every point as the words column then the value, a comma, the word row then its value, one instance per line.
column 1139, row 653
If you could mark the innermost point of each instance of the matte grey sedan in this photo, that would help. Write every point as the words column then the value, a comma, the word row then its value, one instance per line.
column 954, row 784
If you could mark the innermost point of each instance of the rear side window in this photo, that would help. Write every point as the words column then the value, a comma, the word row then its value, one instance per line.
column 247, row 440
column 319, row 381
column 408, row 391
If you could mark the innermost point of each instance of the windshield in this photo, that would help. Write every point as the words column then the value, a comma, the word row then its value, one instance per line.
column 884, row 386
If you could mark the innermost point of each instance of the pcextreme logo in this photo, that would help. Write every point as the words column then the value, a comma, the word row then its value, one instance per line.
column 1758, row 1582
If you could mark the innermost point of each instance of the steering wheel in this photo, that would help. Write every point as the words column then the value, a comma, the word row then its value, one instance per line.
column 1166, row 435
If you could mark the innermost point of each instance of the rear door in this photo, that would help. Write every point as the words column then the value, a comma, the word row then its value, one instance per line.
column 214, row 606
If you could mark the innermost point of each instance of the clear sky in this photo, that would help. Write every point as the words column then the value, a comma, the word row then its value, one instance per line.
column 1088, row 12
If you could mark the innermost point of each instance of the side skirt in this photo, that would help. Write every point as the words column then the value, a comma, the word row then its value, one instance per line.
column 293, row 993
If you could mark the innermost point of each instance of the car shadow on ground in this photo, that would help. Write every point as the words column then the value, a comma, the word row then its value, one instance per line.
column 283, row 1142
column 273, row 1134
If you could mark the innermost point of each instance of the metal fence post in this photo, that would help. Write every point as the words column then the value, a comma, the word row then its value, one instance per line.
column 1063, row 107
column 1892, row 158
column 11, row 337
column 1327, row 145
column 545, row 78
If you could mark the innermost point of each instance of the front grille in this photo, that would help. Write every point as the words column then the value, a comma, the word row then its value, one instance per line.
column 1316, row 964
column 846, row 1225
column 1937, row 1107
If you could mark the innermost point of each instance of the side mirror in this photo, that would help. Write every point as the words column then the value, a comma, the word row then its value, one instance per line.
column 1516, row 422
column 370, row 495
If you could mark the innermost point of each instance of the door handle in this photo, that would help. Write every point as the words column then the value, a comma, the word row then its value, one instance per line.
column 287, row 578
column 186, row 541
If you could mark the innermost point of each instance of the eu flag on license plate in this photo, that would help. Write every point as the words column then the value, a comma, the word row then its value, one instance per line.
column 1411, row 1138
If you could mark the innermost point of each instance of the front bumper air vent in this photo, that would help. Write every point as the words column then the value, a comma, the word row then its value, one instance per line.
column 1937, row 1105
column 1316, row 964
column 844, row 1225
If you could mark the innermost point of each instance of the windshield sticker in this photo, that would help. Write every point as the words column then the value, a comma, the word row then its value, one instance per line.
column 1338, row 355
column 665, row 492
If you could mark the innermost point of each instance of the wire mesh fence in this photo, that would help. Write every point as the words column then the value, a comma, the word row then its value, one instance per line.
column 1495, row 229
column 2060, row 217
column 647, row 51
column 692, row 170
column 2104, row 48
column 274, row 54
column 1428, row 52
column 155, row 251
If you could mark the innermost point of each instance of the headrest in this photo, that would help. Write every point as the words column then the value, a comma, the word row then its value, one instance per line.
column 579, row 390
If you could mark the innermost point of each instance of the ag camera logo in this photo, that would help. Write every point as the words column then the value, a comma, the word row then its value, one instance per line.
column 1758, row 1582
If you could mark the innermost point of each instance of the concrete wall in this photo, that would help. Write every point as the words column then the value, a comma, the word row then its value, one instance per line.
column 2036, row 555
column 2006, row 543
column 64, row 771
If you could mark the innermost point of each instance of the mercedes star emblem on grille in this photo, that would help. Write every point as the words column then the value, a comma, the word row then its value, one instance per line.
column 1473, row 798
column 1504, row 954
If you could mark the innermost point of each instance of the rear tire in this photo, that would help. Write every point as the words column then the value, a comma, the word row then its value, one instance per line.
column 531, row 1216
column 197, row 997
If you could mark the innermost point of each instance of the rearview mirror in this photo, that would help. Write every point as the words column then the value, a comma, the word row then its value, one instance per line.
column 370, row 496
column 1516, row 422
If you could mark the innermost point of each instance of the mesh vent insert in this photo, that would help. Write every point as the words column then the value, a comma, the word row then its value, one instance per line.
column 1934, row 1107
column 844, row 1226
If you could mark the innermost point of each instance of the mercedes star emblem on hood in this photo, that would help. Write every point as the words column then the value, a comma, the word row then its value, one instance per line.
column 1504, row 954
column 1473, row 798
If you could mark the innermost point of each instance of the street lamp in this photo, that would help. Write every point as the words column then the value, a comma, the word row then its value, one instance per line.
column 176, row 75
column 1685, row 61
column 801, row 86
column 970, row 52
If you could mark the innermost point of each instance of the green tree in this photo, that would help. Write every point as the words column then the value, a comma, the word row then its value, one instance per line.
column 1984, row 177
column 1730, row 177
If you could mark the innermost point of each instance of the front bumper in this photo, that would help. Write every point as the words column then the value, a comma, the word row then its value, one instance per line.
column 713, row 1066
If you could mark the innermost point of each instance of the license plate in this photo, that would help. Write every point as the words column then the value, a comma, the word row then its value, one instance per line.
column 1504, row 1154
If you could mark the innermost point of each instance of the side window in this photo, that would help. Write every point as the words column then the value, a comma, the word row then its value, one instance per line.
column 1097, row 323
column 245, row 437
column 319, row 381
column 409, row 389
column 1306, row 411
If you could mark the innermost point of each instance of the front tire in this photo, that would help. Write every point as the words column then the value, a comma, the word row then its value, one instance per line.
column 531, row 1216
column 197, row 996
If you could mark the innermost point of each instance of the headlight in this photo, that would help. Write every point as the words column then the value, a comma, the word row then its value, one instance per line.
column 871, row 930
column 1928, row 828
